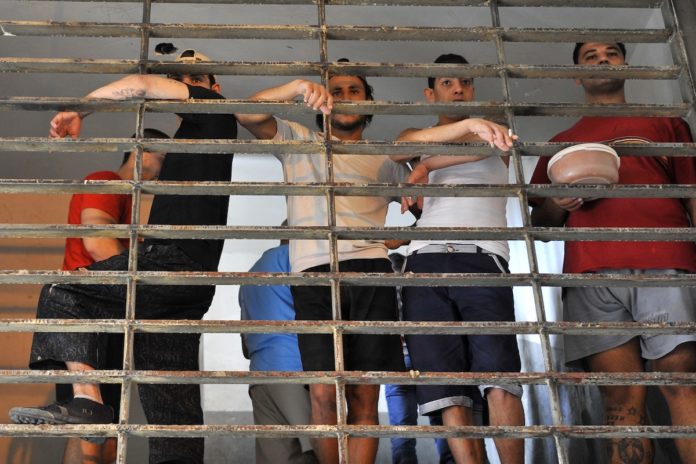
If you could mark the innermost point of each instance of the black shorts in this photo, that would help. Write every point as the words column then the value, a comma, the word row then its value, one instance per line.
column 358, row 303
column 459, row 353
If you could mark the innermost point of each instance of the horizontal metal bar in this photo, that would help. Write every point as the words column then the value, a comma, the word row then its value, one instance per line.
column 322, row 233
column 119, row 145
column 378, row 431
column 347, row 377
column 346, row 278
column 367, row 107
column 342, row 189
column 346, row 327
column 334, row 32
column 458, row 3
column 520, row 71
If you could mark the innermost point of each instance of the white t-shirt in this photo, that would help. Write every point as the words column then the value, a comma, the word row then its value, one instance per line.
column 351, row 211
column 467, row 211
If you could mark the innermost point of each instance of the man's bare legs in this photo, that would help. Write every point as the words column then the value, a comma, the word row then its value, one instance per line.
column 78, row 451
column 464, row 450
column 681, row 400
column 362, row 410
column 624, row 405
column 86, row 390
column 506, row 409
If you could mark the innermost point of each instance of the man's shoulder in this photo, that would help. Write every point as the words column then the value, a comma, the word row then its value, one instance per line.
column 290, row 130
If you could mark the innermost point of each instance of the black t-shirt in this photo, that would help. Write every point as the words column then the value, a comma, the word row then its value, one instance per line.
column 197, row 209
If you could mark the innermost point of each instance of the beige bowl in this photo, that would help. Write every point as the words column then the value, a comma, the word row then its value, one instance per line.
column 587, row 163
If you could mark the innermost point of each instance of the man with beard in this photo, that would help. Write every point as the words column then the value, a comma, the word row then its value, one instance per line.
column 625, row 404
column 363, row 303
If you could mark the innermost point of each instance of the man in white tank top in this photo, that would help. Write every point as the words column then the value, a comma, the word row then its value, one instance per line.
column 478, row 353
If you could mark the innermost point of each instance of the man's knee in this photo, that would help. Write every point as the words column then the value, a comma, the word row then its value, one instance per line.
column 619, row 395
column 362, row 403
column 681, row 359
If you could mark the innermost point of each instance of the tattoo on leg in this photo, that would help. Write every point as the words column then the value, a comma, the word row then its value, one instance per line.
column 631, row 450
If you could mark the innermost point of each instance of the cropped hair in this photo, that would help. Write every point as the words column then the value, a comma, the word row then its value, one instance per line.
column 369, row 92
column 578, row 46
column 449, row 58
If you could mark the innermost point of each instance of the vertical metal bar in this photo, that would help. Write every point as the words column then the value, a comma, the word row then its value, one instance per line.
column 341, row 405
column 556, row 414
column 679, row 15
column 128, row 334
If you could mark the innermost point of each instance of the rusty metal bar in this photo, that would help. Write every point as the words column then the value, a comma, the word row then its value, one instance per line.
column 458, row 3
column 106, row 66
column 260, row 233
column 346, row 278
column 333, row 32
column 265, row 147
column 330, row 431
column 349, row 377
column 349, row 327
column 368, row 107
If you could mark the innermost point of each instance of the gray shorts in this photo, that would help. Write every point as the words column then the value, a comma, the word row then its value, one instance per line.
column 628, row 304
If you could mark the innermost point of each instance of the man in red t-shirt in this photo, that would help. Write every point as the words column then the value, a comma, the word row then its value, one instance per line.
column 81, row 252
column 625, row 405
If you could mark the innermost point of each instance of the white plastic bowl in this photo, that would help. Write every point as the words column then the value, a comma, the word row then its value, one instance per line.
column 587, row 163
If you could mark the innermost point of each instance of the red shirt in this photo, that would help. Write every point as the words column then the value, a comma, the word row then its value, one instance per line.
column 630, row 212
column 117, row 206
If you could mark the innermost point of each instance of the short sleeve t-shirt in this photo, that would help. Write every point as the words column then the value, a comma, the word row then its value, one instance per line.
column 351, row 211
column 630, row 212
column 118, row 206
column 197, row 209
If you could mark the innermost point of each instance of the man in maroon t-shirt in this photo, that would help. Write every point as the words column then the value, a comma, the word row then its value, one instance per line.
column 80, row 252
column 625, row 405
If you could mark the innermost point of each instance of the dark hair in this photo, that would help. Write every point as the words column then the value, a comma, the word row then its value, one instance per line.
column 578, row 46
column 369, row 91
column 147, row 134
column 450, row 58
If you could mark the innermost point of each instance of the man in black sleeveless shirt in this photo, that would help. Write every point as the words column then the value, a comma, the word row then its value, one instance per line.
column 163, row 404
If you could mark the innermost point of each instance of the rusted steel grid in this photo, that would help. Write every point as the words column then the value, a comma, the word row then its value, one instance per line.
column 345, row 278
column 264, row 147
column 305, row 68
column 380, row 233
column 334, row 32
column 347, row 327
column 346, row 377
column 367, row 107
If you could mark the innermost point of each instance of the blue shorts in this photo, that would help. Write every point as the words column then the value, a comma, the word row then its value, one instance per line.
column 459, row 353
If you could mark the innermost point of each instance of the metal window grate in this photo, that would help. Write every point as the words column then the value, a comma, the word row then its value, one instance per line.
column 678, row 16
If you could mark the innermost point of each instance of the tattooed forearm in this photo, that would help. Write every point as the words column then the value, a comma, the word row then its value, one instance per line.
column 129, row 93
